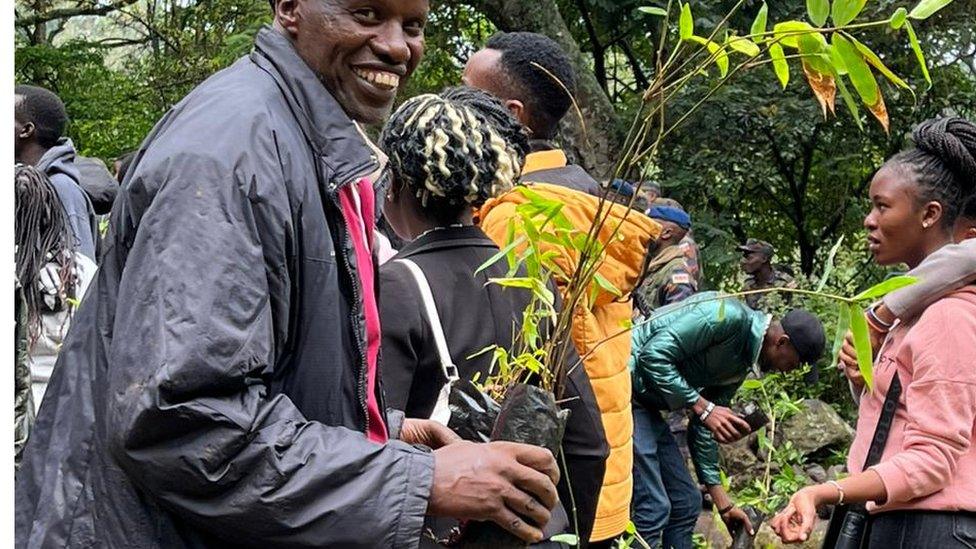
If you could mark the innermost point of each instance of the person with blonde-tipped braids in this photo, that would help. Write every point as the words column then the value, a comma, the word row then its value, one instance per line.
column 448, row 154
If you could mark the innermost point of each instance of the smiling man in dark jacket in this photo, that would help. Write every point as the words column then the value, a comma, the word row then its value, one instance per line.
column 219, row 387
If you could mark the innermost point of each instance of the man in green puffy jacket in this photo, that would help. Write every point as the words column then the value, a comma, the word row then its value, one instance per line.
column 694, row 355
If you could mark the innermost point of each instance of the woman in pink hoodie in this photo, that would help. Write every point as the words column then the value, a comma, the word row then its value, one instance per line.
column 922, row 491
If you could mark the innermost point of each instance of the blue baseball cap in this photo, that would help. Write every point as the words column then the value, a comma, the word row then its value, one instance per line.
column 668, row 213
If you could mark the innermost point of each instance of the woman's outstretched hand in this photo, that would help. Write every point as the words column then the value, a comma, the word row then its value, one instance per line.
column 794, row 523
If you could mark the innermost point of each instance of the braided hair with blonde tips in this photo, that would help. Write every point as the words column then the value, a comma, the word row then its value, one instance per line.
column 42, row 235
column 943, row 163
column 454, row 150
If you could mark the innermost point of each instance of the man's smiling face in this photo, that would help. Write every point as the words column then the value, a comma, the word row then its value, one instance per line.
column 362, row 50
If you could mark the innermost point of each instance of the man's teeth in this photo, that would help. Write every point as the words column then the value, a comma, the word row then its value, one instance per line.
column 382, row 79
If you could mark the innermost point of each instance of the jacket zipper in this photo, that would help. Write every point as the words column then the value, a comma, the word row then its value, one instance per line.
column 363, row 384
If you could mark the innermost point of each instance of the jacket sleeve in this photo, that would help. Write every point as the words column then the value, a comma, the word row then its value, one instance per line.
column 949, row 268
column 701, row 442
column 403, row 329
column 657, row 357
column 189, row 417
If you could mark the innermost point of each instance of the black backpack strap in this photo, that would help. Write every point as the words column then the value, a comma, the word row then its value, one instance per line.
column 884, row 423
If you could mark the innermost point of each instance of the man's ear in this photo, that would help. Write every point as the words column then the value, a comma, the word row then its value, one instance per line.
column 517, row 108
column 666, row 233
column 27, row 130
column 287, row 16
column 783, row 339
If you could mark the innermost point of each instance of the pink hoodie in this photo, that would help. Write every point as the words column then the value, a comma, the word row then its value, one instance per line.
column 929, row 461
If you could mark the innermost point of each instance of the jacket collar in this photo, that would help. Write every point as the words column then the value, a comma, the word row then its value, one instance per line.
column 544, row 160
column 447, row 237
column 757, row 332
column 333, row 135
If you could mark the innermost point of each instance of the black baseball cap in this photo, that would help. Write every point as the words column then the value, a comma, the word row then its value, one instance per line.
column 806, row 333
column 755, row 245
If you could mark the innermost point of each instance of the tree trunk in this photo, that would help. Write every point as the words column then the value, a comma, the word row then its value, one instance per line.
column 597, row 148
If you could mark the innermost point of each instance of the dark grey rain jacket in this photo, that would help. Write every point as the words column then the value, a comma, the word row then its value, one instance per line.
column 211, row 392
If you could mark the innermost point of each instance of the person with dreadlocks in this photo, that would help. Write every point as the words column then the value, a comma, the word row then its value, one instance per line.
column 448, row 154
column 913, row 459
column 39, row 124
column 51, row 274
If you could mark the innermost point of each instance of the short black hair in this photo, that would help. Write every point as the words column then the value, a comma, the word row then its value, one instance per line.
column 125, row 161
column 454, row 150
column 943, row 163
column 968, row 209
column 547, row 99
column 45, row 109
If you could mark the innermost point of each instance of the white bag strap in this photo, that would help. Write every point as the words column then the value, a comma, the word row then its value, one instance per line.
column 447, row 365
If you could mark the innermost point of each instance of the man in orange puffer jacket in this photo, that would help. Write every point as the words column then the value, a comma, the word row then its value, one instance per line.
column 509, row 68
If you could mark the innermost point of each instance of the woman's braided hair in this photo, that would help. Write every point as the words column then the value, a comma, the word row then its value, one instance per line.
column 943, row 162
column 454, row 150
column 42, row 235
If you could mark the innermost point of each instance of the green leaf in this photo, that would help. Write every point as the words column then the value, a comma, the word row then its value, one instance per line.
column 501, row 253
column 651, row 10
column 851, row 106
column 751, row 384
column 857, row 70
column 876, row 62
column 829, row 266
column 926, row 8
column 837, row 61
column 845, row 11
column 743, row 45
column 513, row 282
column 721, row 57
column 917, row 48
column 721, row 311
column 686, row 24
column 843, row 325
column 898, row 18
column 818, row 11
column 780, row 66
column 568, row 539
column 862, row 342
column 759, row 23
column 606, row 284
column 788, row 32
column 883, row 288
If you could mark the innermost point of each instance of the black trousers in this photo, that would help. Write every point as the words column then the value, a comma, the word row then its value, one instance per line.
column 922, row 530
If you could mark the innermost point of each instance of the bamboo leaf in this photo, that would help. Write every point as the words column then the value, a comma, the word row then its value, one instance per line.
column 862, row 343
column 501, row 253
column 721, row 57
column 917, row 48
column 857, row 70
column 876, row 62
column 845, row 11
column 818, row 10
column 651, row 10
column 780, row 66
column 744, row 46
column 926, row 8
column 882, row 289
column 843, row 325
column 606, row 285
column 751, row 384
column 686, row 24
column 759, row 23
column 897, row 20
column 818, row 69
column 788, row 32
column 721, row 311
column 829, row 266
column 845, row 94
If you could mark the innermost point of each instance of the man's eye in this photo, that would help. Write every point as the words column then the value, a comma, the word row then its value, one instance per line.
column 415, row 27
column 367, row 15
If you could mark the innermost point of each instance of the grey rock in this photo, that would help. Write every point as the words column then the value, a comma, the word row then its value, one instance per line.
column 815, row 473
column 816, row 429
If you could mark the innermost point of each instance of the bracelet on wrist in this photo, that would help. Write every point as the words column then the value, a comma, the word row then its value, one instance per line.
column 840, row 491
column 708, row 411
column 726, row 509
column 875, row 321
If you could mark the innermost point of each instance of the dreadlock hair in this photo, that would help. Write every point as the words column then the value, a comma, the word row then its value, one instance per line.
column 45, row 110
column 41, row 235
column 454, row 150
column 943, row 163
column 968, row 209
column 523, row 53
